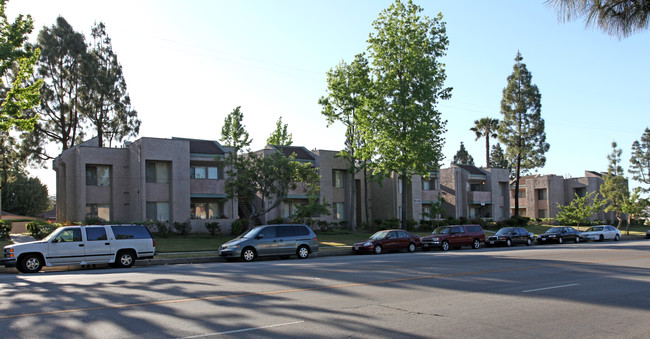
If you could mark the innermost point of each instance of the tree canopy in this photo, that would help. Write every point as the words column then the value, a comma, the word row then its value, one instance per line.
column 233, row 132
column 498, row 158
column 280, row 136
column 25, row 196
column 614, row 189
column 486, row 128
column 640, row 159
column 579, row 210
column 463, row 157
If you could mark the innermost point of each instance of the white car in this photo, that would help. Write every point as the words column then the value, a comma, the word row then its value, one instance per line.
column 602, row 232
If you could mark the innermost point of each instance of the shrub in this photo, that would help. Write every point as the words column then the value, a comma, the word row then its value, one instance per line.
column 95, row 221
column 275, row 221
column 410, row 225
column 183, row 228
column 213, row 228
column 40, row 229
column 5, row 229
column 238, row 226
column 391, row 223
column 163, row 229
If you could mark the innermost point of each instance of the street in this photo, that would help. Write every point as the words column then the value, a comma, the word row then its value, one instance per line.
column 550, row 291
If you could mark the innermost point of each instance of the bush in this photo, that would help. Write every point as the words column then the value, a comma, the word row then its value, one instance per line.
column 183, row 228
column 5, row 229
column 163, row 229
column 213, row 228
column 238, row 226
column 276, row 221
column 410, row 225
column 40, row 229
column 95, row 221
column 391, row 223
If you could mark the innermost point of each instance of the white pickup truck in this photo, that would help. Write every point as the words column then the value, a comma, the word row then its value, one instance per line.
column 116, row 245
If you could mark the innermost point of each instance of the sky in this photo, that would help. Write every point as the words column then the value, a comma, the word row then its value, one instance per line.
column 187, row 64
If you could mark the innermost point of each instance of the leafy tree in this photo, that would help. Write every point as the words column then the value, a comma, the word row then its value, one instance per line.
column 60, row 66
column 107, row 105
column 522, row 128
column 268, row 178
column 404, row 129
column 18, row 95
column 305, row 213
column 233, row 132
column 640, row 160
column 280, row 137
column 619, row 18
column 486, row 127
column 462, row 157
column 614, row 188
column 497, row 158
column 579, row 210
column 634, row 206
column 347, row 101
column 25, row 196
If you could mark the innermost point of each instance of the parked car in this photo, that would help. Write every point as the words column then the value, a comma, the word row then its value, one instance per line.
column 271, row 240
column 454, row 236
column 116, row 245
column 559, row 235
column 509, row 236
column 602, row 232
column 388, row 240
column 647, row 234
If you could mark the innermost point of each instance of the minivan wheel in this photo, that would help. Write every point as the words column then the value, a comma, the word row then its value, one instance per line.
column 30, row 263
column 445, row 246
column 302, row 252
column 476, row 244
column 378, row 249
column 508, row 242
column 248, row 254
column 529, row 242
column 411, row 247
column 125, row 259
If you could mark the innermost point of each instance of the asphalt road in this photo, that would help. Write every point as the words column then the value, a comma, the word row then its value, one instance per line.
column 573, row 290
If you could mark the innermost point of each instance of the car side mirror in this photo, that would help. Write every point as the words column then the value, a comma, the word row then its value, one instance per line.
column 388, row 237
column 259, row 236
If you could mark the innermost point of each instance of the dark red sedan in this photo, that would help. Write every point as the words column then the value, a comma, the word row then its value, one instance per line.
column 388, row 240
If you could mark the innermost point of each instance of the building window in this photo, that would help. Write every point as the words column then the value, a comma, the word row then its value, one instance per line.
column 475, row 187
column 157, row 172
column 541, row 194
column 338, row 178
column 157, row 211
column 99, row 211
column 206, row 209
column 542, row 214
column 522, row 193
column 581, row 192
column 426, row 212
column 98, row 175
column 339, row 211
column 202, row 172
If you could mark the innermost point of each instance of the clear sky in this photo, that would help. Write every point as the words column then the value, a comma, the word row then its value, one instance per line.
column 189, row 63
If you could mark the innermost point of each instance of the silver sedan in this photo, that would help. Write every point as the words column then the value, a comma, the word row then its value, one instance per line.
column 602, row 232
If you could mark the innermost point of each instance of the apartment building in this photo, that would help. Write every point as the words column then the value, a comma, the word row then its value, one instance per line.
column 172, row 180
column 539, row 195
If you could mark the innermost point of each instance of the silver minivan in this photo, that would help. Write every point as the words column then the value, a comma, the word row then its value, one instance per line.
column 271, row 240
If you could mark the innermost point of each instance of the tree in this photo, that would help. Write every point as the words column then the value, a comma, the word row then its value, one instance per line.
column 634, row 206
column 60, row 67
column 614, row 188
column 640, row 160
column 522, row 128
column 619, row 18
column 268, row 178
column 347, row 101
column 462, row 157
column 106, row 103
column 233, row 132
column 18, row 95
column 497, row 158
column 486, row 127
column 404, row 130
column 25, row 196
column 579, row 210
column 280, row 137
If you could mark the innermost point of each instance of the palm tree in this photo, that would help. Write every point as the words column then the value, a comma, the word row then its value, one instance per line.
column 486, row 127
column 618, row 18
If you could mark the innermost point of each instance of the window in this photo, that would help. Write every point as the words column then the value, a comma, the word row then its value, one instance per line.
column 291, row 231
column 475, row 187
column 157, row 211
column 339, row 211
column 426, row 212
column 522, row 193
column 96, row 233
column 157, row 172
column 541, row 194
column 581, row 191
column 203, row 172
column 98, row 211
column 426, row 185
column 542, row 214
column 69, row 235
column 338, row 178
column 206, row 209
column 97, row 175
column 131, row 232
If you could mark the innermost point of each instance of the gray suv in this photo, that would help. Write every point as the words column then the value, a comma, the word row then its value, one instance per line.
column 271, row 240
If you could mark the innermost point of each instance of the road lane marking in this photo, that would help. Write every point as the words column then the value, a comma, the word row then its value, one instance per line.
column 242, row 330
column 319, row 288
column 549, row 288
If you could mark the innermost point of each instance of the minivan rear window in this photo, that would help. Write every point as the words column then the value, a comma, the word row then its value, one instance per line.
column 131, row 232
column 292, row 231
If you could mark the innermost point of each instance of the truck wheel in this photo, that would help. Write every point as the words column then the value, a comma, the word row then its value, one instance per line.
column 476, row 244
column 30, row 263
column 445, row 246
column 125, row 259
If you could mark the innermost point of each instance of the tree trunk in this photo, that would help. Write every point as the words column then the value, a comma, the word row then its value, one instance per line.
column 487, row 150
column 404, row 200
column 351, row 198
column 365, row 195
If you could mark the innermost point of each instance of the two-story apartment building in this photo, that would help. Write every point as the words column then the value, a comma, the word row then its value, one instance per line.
column 171, row 180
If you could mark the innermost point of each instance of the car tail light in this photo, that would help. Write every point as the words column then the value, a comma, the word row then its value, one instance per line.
column 154, row 241
column 314, row 238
